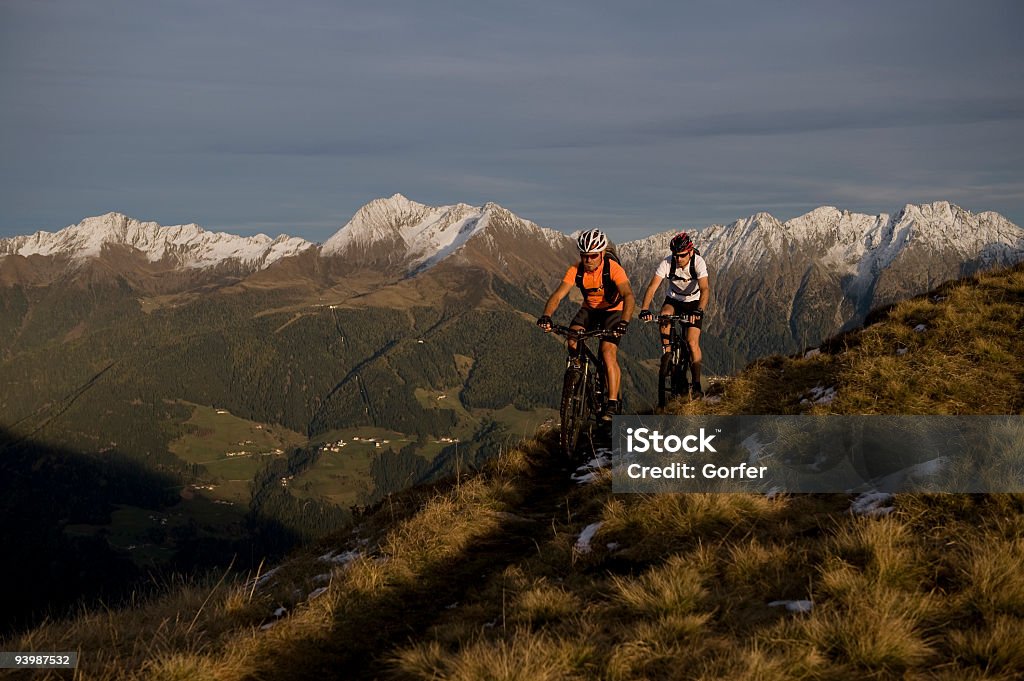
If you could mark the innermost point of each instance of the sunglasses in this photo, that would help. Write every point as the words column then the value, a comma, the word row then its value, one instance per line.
column 590, row 256
column 682, row 255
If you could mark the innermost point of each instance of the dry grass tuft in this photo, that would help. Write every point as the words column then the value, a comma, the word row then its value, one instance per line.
column 520, row 657
column 995, row 647
column 875, row 628
column 179, row 667
column 883, row 548
column 994, row 577
column 676, row 587
column 543, row 603
column 424, row 661
column 764, row 663
column 673, row 628
column 520, row 460
column 443, row 528
column 759, row 568
column 653, row 526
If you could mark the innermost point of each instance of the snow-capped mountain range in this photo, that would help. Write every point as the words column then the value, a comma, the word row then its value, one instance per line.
column 186, row 246
column 853, row 244
column 415, row 236
column 850, row 241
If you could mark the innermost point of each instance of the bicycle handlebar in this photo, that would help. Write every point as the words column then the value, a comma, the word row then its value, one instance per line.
column 668, row 318
column 576, row 334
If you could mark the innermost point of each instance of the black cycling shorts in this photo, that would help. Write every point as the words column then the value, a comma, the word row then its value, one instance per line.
column 680, row 307
column 591, row 319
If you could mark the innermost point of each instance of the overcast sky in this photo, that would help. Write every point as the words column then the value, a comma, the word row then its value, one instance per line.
column 285, row 117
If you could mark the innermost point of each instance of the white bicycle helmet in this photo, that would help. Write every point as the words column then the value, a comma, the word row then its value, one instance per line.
column 592, row 241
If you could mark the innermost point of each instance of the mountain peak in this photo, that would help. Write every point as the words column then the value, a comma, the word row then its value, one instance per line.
column 822, row 213
column 492, row 207
column 395, row 201
column 415, row 236
column 107, row 218
column 936, row 209
column 382, row 223
column 381, row 208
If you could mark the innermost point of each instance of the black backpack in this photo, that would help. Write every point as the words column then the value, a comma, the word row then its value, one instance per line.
column 611, row 290
column 693, row 268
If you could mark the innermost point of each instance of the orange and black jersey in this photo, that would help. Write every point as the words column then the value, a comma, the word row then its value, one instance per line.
column 594, row 283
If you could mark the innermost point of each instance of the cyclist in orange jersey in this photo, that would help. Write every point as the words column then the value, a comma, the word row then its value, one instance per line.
column 608, row 303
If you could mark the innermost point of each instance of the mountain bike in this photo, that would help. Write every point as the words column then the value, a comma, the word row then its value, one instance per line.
column 583, row 389
column 675, row 377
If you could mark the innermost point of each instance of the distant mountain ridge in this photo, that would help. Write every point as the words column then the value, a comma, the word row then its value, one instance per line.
column 397, row 230
column 857, row 243
column 186, row 246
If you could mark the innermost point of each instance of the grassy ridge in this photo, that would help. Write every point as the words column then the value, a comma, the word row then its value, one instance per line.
column 484, row 576
column 957, row 350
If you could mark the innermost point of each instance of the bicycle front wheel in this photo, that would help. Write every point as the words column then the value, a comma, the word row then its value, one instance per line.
column 574, row 409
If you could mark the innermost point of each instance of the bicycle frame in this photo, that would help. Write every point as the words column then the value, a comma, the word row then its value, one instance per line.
column 676, row 372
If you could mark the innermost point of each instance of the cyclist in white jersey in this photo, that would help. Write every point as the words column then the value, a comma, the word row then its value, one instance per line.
column 688, row 293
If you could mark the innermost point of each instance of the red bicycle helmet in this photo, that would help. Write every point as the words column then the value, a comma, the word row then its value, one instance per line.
column 681, row 243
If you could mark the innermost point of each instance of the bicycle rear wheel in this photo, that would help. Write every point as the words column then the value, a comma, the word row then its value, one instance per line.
column 574, row 410
column 681, row 377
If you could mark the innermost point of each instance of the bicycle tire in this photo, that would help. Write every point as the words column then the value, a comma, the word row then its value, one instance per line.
column 585, row 394
column 665, row 378
column 573, row 409
column 681, row 378
column 597, row 390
